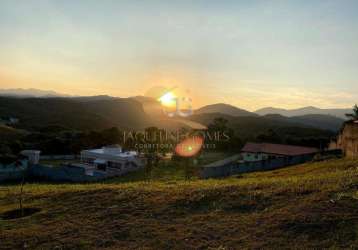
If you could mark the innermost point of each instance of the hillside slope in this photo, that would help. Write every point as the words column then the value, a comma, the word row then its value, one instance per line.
column 9, row 133
column 313, row 120
column 87, row 113
column 30, row 93
column 249, row 128
column 318, row 121
column 75, row 113
column 225, row 109
column 308, row 206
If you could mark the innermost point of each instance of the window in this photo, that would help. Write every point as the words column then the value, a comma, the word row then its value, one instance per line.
column 116, row 165
column 88, row 160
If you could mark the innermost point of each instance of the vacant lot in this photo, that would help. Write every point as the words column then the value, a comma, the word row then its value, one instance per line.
column 308, row 206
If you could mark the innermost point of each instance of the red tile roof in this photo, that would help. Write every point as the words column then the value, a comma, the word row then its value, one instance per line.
column 278, row 149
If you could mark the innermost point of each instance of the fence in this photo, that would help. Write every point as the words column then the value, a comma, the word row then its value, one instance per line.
column 13, row 171
column 59, row 157
column 63, row 173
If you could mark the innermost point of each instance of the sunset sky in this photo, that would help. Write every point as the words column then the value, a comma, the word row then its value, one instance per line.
column 250, row 54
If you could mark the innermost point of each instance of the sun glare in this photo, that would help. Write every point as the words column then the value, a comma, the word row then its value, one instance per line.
column 189, row 147
column 168, row 99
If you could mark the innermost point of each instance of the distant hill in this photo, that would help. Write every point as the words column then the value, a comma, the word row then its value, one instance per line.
column 35, row 113
column 151, row 107
column 94, row 98
column 318, row 121
column 321, row 121
column 250, row 128
column 224, row 109
column 89, row 113
column 30, row 93
column 340, row 113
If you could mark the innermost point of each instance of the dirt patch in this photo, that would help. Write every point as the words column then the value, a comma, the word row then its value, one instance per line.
column 18, row 213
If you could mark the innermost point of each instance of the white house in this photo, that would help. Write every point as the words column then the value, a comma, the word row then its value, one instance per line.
column 32, row 155
column 9, row 120
column 112, row 159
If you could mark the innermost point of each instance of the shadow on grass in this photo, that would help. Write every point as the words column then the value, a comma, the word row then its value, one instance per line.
column 18, row 213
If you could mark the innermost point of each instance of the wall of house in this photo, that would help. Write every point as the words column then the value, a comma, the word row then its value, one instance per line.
column 63, row 173
column 121, row 167
column 58, row 173
column 347, row 140
column 235, row 167
column 246, row 156
column 59, row 157
column 13, row 172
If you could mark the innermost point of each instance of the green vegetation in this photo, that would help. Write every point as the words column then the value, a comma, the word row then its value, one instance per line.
column 74, row 113
column 170, row 170
column 314, row 205
column 354, row 115
column 267, row 129
column 165, row 171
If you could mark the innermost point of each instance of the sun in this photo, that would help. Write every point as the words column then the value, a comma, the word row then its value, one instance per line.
column 168, row 99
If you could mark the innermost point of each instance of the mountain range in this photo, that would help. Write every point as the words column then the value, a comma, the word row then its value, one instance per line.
column 98, row 112
column 32, row 92
column 270, row 129
column 340, row 113
column 310, row 116
column 148, row 102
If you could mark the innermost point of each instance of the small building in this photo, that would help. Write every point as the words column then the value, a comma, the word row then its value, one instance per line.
column 347, row 139
column 266, row 151
column 9, row 120
column 259, row 157
column 32, row 155
column 112, row 159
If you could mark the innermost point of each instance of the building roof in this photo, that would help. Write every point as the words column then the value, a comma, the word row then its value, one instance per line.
column 24, row 152
column 277, row 149
column 109, row 153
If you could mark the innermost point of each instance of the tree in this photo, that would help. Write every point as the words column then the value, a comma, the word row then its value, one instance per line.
column 187, row 163
column 354, row 115
column 188, row 168
column 219, row 124
column 225, row 136
column 21, row 195
column 269, row 136
column 151, row 151
column 112, row 136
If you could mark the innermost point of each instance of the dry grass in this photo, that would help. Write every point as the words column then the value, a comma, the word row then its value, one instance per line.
column 309, row 206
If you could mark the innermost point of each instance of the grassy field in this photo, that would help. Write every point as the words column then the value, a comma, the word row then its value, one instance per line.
column 314, row 205
column 169, row 171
